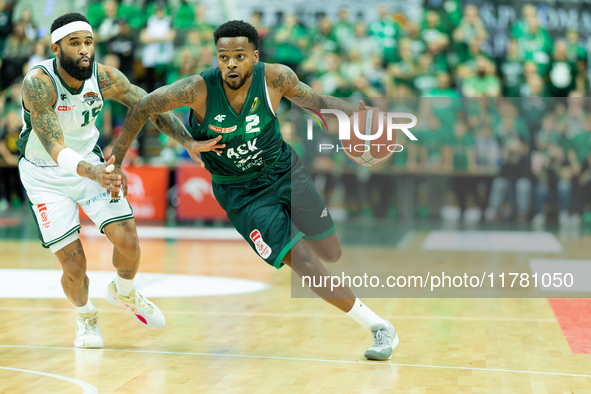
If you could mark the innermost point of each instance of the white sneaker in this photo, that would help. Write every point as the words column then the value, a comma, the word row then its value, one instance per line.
column 88, row 333
column 385, row 341
column 143, row 311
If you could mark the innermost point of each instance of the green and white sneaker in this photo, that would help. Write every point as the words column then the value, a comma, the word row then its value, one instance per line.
column 385, row 341
column 88, row 334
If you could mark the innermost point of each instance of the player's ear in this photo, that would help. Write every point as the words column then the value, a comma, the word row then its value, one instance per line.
column 256, row 56
column 55, row 49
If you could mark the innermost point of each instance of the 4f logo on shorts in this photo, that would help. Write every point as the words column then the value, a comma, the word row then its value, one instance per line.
column 261, row 247
column 42, row 209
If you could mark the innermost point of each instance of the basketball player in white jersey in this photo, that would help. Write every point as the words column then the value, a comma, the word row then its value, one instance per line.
column 61, row 166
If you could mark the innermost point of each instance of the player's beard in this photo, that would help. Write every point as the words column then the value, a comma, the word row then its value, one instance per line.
column 241, row 81
column 71, row 66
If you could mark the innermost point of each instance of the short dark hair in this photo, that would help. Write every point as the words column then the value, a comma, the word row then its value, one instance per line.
column 237, row 29
column 67, row 18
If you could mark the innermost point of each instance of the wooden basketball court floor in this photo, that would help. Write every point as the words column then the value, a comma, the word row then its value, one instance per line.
column 267, row 341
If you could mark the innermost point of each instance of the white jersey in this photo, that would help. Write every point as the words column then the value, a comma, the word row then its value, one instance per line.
column 76, row 113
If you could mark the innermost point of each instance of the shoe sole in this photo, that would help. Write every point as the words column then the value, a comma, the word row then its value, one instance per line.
column 95, row 346
column 139, row 319
column 395, row 343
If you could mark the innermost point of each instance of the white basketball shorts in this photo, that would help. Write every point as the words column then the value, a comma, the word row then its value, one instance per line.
column 55, row 195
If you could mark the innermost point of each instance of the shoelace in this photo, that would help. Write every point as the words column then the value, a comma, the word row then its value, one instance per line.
column 141, row 302
column 90, row 325
column 381, row 337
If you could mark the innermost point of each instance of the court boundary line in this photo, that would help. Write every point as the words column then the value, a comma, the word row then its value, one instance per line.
column 302, row 359
column 298, row 315
column 87, row 388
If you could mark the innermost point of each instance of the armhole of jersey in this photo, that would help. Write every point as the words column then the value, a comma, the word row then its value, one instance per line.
column 192, row 116
column 97, row 81
column 268, row 100
column 52, row 81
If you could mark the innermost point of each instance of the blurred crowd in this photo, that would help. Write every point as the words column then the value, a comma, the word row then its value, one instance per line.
column 493, row 158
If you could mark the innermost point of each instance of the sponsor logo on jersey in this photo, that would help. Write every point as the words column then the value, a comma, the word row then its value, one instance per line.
column 261, row 247
column 63, row 96
column 100, row 196
column 324, row 213
column 42, row 209
column 66, row 107
column 255, row 105
column 243, row 149
column 90, row 97
column 222, row 130
column 220, row 118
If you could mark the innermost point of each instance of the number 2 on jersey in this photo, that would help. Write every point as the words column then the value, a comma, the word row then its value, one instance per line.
column 86, row 114
column 251, row 122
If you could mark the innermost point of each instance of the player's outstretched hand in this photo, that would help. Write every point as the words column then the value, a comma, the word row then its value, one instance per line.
column 108, row 178
column 195, row 147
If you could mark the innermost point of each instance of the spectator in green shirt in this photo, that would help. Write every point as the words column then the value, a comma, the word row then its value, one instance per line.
column 324, row 35
column 577, row 54
column 582, row 142
column 520, row 27
column 426, row 75
column 403, row 71
column 536, row 45
column 511, row 70
column 484, row 83
column 343, row 29
column 386, row 31
column 290, row 43
column 470, row 28
column 562, row 73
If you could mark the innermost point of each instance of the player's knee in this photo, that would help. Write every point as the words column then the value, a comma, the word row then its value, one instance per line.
column 128, row 244
column 333, row 254
column 74, row 273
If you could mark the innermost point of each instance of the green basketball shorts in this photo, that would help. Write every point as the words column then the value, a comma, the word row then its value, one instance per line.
column 276, row 209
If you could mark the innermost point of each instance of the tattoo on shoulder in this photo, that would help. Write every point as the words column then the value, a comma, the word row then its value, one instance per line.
column 288, row 79
column 185, row 91
column 105, row 81
column 278, row 82
column 39, row 93
column 181, row 93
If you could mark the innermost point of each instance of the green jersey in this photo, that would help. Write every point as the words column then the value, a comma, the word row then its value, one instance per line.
column 252, row 138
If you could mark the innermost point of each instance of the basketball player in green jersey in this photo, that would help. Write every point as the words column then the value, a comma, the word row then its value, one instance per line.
column 253, row 169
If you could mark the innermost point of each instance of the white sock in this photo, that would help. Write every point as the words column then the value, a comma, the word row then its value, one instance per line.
column 365, row 316
column 124, row 286
column 86, row 309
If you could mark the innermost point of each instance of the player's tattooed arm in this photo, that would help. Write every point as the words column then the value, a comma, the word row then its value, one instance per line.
column 303, row 95
column 39, row 97
column 115, row 85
